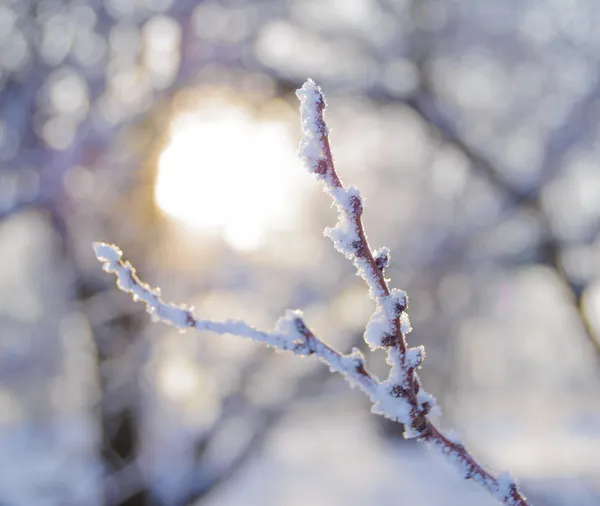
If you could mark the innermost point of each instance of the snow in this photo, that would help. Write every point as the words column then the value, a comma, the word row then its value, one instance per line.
column 128, row 282
column 343, row 237
column 405, row 326
column 398, row 372
column 290, row 333
column 344, row 199
column 290, row 325
column 395, row 299
column 311, row 102
column 425, row 397
column 414, row 357
column 383, row 321
column 393, row 408
column 382, row 256
column 364, row 269
column 393, row 398
column 107, row 252
column 506, row 486
column 389, row 315
column 378, row 327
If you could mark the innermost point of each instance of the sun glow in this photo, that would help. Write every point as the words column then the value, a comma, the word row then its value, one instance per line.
column 228, row 173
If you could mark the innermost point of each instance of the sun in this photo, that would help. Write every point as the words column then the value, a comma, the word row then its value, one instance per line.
column 226, row 172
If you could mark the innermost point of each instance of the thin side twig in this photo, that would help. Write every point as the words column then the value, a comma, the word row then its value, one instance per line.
column 400, row 397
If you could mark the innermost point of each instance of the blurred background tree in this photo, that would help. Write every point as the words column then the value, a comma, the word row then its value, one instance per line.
column 170, row 127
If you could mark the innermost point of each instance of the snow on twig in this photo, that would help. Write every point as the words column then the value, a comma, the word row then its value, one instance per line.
column 400, row 397
column 389, row 324
column 290, row 333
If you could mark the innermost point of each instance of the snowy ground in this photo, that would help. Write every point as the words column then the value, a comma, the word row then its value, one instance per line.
column 340, row 460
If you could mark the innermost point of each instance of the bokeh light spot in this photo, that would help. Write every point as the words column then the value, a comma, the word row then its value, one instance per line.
column 228, row 173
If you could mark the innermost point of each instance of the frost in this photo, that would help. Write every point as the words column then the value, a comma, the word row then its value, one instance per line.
column 390, row 406
column 312, row 102
column 506, row 487
column 344, row 238
column 454, row 456
column 107, row 252
column 355, row 359
column 344, row 235
column 378, row 328
column 395, row 303
column 414, row 357
column 398, row 373
column 291, row 327
column 426, row 398
column 290, row 332
column 405, row 326
column 389, row 308
column 382, row 257
column 349, row 366
column 289, row 323
column 400, row 397
column 127, row 281
column 345, row 199
column 454, row 438
column 365, row 270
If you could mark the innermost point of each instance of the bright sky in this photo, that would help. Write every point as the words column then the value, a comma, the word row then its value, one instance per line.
column 227, row 173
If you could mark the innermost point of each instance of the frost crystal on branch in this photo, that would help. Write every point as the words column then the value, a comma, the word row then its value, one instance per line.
column 400, row 397
column 127, row 281
column 311, row 101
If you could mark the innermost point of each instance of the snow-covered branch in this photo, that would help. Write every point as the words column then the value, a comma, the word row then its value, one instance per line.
column 400, row 397
column 290, row 333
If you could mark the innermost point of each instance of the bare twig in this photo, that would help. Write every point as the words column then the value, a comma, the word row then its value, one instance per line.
column 399, row 397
